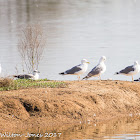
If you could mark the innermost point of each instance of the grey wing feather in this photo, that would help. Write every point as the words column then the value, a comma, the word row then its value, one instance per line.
column 95, row 71
column 24, row 76
column 127, row 69
column 74, row 70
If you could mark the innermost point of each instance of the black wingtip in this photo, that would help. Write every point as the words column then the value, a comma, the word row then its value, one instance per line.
column 62, row 73
column 116, row 73
column 137, row 80
column 85, row 78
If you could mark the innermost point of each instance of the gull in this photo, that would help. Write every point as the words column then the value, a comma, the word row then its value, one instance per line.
column 130, row 70
column 77, row 70
column 34, row 76
column 97, row 70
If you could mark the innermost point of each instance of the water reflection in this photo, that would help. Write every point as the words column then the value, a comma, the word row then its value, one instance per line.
column 117, row 128
column 121, row 129
column 124, row 128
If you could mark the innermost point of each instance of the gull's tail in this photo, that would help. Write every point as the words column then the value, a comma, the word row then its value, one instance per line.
column 86, row 77
column 137, row 79
column 62, row 73
column 20, row 76
column 15, row 76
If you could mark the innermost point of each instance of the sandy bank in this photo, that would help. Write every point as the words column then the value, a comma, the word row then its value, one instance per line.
column 79, row 102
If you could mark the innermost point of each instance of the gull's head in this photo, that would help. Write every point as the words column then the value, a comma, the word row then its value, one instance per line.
column 35, row 71
column 136, row 63
column 83, row 61
column 102, row 59
column 36, row 75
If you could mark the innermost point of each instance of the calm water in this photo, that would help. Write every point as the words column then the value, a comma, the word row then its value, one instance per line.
column 120, row 129
column 75, row 29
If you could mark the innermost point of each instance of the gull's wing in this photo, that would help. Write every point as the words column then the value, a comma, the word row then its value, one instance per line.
column 127, row 70
column 24, row 76
column 95, row 71
column 74, row 70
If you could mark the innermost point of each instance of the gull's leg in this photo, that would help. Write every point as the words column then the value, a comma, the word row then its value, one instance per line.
column 132, row 78
column 100, row 77
column 78, row 77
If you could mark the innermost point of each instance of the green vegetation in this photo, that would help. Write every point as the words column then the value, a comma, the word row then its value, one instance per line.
column 10, row 84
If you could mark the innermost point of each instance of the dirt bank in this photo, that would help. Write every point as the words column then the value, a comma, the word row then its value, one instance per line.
column 76, row 103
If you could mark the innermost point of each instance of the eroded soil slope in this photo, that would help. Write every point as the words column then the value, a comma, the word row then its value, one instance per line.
column 78, row 102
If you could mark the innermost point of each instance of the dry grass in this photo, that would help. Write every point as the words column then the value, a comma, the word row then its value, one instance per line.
column 6, row 82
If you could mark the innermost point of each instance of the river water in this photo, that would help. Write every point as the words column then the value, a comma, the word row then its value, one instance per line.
column 74, row 29
column 118, row 129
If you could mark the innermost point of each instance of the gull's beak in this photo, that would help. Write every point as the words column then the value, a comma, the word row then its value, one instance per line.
column 88, row 62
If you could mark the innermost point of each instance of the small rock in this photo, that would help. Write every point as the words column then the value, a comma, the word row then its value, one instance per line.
column 94, row 115
column 45, row 92
column 88, row 121
column 130, row 115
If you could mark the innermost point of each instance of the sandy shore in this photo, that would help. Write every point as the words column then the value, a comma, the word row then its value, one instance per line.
column 79, row 102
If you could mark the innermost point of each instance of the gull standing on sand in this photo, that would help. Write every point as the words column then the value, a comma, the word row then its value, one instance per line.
column 97, row 70
column 77, row 70
column 34, row 76
column 130, row 70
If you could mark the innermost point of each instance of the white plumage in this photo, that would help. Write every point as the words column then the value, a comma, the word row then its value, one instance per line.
column 130, row 70
column 77, row 70
column 97, row 70
column 34, row 76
